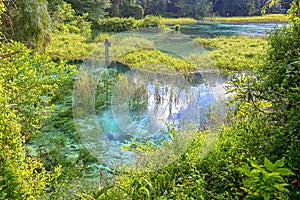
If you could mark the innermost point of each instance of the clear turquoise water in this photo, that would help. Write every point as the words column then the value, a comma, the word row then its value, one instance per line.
column 211, row 29
column 178, row 105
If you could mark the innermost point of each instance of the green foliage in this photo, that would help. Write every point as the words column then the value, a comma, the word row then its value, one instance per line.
column 2, row 9
column 266, row 181
column 155, row 60
column 95, row 9
column 27, row 22
column 65, row 21
column 180, row 180
column 194, row 8
column 135, row 11
column 29, row 82
column 116, row 24
column 257, row 127
column 263, row 123
column 180, row 20
column 101, row 37
column 294, row 14
column 251, row 19
column 150, row 21
column 69, row 46
column 177, row 27
column 236, row 53
column 74, row 47
column 277, row 84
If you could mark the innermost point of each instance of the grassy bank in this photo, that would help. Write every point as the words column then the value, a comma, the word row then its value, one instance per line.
column 249, row 19
column 229, row 53
column 173, row 21
column 133, row 51
column 226, row 53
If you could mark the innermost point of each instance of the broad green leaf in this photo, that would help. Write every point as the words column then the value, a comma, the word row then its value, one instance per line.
column 269, row 165
column 281, row 188
column 284, row 172
column 279, row 163
column 276, row 177
column 266, row 196
column 256, row 172
column 253, row 164
column 245, row 170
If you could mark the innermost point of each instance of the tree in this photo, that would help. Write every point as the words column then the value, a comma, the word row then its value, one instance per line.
column 158, row 7
column 247, row 7
column 193, row 8
column 27, row 22
column 96, row 9
column 64, row 20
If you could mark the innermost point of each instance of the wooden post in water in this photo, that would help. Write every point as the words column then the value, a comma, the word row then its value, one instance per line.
column 107, row 44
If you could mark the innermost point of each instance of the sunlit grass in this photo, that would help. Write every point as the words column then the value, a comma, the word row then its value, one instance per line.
column 236, row 53
column 173, row 21
column 225, row 53
column 248, row 19
column 155, row 60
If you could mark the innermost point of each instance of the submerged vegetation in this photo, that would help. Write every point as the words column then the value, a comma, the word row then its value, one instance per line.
column 254, row 154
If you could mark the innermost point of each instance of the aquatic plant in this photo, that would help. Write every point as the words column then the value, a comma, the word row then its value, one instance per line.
column 180, row 20
column 177, row 27
column 154, row 60
column 237, row 53
column 250, row 19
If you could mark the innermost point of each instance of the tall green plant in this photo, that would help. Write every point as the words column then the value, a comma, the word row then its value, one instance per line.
column 27, row 22
column 29, row 82
column 276, row 84
column 65, row 21
column 266, row 181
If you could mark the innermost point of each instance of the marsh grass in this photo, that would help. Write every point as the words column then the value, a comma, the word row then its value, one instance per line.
column 250, row 19
column 229, row 53
column 173, row 21
column 154, row 60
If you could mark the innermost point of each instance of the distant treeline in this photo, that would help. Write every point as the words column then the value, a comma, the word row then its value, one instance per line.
column 31, row 22
column 174, row 8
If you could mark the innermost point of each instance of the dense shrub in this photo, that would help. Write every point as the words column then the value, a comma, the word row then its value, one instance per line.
column 28, row 84
column 69, row 46
column 116, row 24
column 277, row 83
column 177, row 27
column 151, row 21
column 135, row 11
column 65, row 21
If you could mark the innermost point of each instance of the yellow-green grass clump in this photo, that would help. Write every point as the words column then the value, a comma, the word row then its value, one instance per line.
column 173, row 21
column 135, row 52
column 68, row 46
column 249, row 19
column 235, row 53
column 156, row 61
